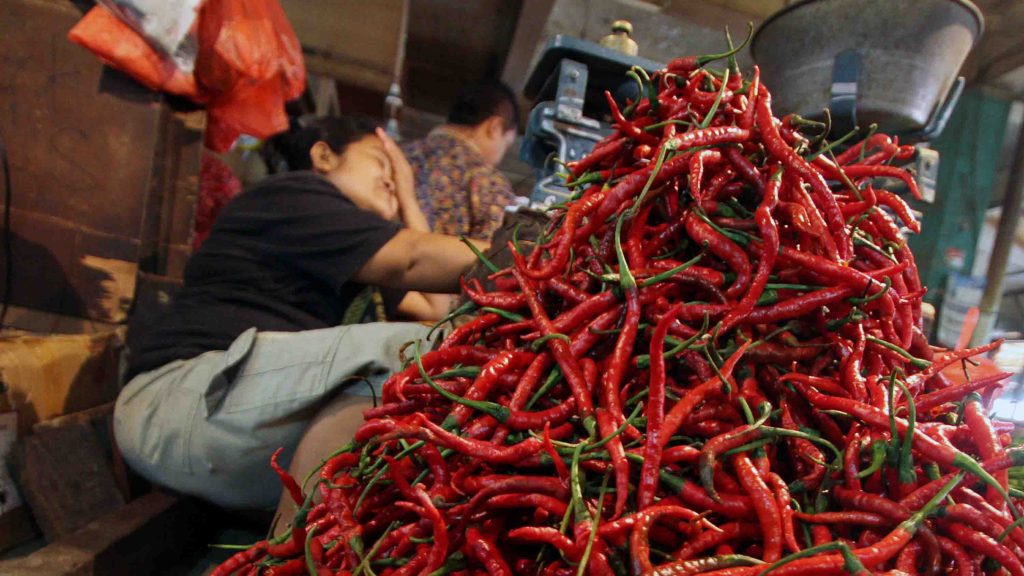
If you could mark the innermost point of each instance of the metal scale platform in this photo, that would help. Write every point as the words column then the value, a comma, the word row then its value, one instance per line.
column 569, row 114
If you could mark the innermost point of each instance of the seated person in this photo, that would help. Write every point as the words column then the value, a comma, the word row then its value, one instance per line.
column 251, row 357
column 457, row 181
column 290, row 151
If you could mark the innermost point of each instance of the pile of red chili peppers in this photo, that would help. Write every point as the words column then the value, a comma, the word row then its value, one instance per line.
column 712, row 364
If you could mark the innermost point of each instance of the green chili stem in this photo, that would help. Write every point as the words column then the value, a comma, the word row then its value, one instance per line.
column 594, row 524
column 626, row 279
column 1016, row 524
column 497, row 411
column 653, row 127
column 737, row 236
column 490, row 265
column 702, row 60
column 553, row 378
column 310, row 565
column 906, row 467
column 806, row 552
column 833, row 144
column 915, row 361
column 464, row 309
column 672, row 272
column 887, row 284
column 536, row 345
column 877, row 459
column 668, row 146
column 510, row 316
column 718, row 100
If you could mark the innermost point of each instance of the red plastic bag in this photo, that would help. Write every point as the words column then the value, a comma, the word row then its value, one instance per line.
column 255, row 109
column 249, row 63
column 119, row 46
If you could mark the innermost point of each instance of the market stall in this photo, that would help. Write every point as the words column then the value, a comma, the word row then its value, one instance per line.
column 702, row 341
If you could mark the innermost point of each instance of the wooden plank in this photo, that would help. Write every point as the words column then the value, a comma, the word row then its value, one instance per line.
column 529, row 31
column 87, row 153
column 42, row 322
column 16, row 528
column 996, row 65
column 350, row 31
column 334, row 65
column 48, row 376
column 150, row 532
column 78, row 138
column 65, row 477
column 83, row 417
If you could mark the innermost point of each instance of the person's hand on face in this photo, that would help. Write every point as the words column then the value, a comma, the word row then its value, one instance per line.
column 364, row 173
column 401, row 170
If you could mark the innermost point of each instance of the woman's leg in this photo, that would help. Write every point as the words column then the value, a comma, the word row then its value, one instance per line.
column 332, row 428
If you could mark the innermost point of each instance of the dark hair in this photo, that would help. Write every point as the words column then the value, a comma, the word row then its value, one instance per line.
column 292, row 147
column 481, row 100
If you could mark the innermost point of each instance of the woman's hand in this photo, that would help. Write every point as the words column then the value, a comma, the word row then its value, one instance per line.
column 405, row 186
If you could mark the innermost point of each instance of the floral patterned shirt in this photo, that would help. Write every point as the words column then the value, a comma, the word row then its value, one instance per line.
column 459, row 192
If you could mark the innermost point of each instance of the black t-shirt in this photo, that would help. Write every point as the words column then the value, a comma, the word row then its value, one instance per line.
column 280, row 257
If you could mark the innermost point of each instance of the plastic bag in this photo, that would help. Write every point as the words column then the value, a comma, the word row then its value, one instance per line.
column 166, row 24
column 250, row 63
column 119, row 46
column 256, row 110
column 245, row 41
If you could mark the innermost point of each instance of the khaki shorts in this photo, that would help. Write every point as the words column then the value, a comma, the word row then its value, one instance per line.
column 208, row 426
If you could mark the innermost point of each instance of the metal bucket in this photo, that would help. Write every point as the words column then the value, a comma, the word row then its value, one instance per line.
column 889, row 62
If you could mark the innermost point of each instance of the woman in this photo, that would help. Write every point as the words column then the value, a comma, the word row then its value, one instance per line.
column 251, row 351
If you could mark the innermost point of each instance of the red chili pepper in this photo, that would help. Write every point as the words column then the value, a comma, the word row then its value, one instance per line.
column 433, row 361
column 770, row 238
column 902, row 210
column 986, row 524
column 961, row 559
column 504, row 362
column 240, row 560
column 764, row 504
column 681, row 409
column 550, row 504
column 725, row 249
column 597, row 156
column 486, row 551
column 711, row 538
column 560, row 256
column 631, row 185
column 559, row 349
column 983, row 544
column 293, row 488
column 778, row 148
column 857, row 171
column 648, row 486
column 986, row 440
column 926, row 402
column 501, row 300
column 545, row 535
column 849, row 517
column 640, row 555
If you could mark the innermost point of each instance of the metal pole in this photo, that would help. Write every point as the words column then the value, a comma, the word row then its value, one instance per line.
column 1005, row 235
column 393, row 101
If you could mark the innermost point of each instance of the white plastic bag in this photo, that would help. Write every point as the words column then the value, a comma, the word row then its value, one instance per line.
column 166, row 24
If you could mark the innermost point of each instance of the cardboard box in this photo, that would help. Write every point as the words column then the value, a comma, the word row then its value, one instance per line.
column 49, row 376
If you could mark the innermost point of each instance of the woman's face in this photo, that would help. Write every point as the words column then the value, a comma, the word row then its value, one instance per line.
column 363, row 173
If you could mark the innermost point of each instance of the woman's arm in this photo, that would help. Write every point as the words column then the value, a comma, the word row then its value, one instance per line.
column 425, row 307
column 420, row 261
